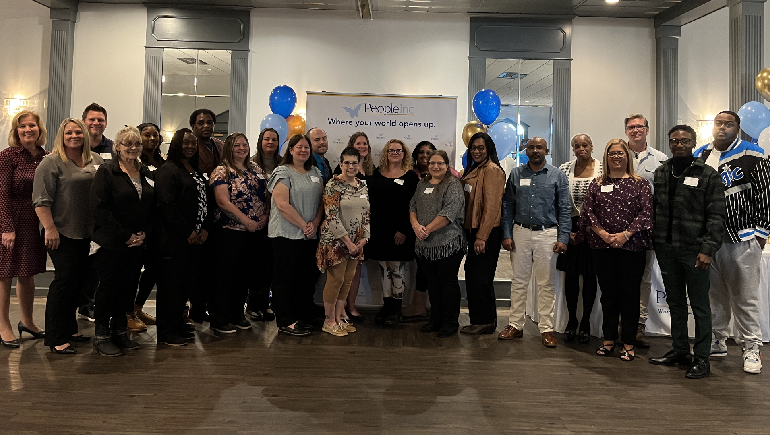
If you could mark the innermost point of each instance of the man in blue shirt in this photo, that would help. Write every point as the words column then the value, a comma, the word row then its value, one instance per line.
column 536, row 227
column 320, row 144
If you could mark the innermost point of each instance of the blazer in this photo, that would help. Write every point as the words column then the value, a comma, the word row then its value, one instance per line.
column 484, row 188
column 118, row 210
column 177, row 197
column 207, row 161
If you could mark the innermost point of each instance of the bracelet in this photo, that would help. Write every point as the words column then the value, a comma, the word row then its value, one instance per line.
column 624, row 235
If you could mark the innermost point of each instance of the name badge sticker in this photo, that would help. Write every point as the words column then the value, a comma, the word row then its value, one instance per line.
column 106, row 156
column 428, row 190
column 315, row 179
column 468, row 188
column 399, row 181
column 525, row 182
column 151, row 168
column 363, row 196
column 260, row 176
column 96, row 167
column 150, row 182
column 691, row 181
column 608, row 188
column 206, row 176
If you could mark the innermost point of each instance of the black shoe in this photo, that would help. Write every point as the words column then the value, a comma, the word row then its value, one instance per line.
column 79, row 338
column 479, row 329
column 354, row 319
column 296, row 331
column 199, row 317
column 584, row 337
column 243, row 324
column 123, row 342
column 569, row 335
column 255, row 314
column 446, row 331
column 226, row 328
column 429, row 327
column 700, row 368
column 393, row 319
column 314, row 324
column 35, row 335
column 414, row 319
column 187, row 335
column 388, row 308
column 11, row 344
column 66, row 351
column 172, row 340
column 86, row 313
column 106, row 347
column 672, row 357
column 268, row 315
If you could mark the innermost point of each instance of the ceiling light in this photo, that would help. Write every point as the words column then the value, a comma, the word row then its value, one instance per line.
column 612, row 1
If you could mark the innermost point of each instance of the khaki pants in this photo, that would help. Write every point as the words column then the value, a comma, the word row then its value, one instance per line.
column 338, row 280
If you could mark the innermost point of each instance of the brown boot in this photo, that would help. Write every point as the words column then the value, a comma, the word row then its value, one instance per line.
column 144, row 317
column 134, row 324
column 641, row 336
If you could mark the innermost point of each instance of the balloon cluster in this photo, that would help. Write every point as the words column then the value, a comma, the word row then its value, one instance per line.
column 486, row 107
column 282, row 101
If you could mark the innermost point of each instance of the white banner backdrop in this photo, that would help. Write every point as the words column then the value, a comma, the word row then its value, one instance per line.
column 411, row 119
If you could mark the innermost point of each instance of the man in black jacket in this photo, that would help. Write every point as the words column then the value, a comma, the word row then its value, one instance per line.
column 689, row 225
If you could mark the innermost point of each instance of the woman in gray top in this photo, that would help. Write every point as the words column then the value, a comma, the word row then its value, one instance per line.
column 295, row 212
column 60, row 194
column 437, row 213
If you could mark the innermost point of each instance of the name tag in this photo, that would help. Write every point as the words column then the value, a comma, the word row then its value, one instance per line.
column 525, row 182
column 363, row 196
column 96, row 167
column 206, row 176
column 106, row 156
column 150, row 182
column 608, row 188
column 468, row 188
column 315, row 179
column 399, row 181
column 151, row 168
column 691, row 181
column 428, row 190
column 260, row 176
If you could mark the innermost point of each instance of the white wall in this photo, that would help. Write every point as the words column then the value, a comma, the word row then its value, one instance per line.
column 416, row 54
column 25, row 29
column 613, row 75
column 109, row 62
column 704, row 83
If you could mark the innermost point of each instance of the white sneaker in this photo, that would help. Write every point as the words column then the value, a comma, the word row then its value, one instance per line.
column 752, row 359
column 719, row 348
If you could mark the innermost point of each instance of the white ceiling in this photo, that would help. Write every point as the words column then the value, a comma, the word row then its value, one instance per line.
column 212, row 62
column 536, row 87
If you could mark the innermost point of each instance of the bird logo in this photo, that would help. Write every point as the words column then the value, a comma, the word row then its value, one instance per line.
column 353, row 111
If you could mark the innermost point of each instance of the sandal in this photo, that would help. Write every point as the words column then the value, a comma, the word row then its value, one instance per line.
column 605, row 350
column 626, row 355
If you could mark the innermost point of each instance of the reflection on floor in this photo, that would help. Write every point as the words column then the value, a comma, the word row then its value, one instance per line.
column 374, row 381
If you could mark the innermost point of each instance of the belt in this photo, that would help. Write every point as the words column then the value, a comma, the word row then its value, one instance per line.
column 534, row 227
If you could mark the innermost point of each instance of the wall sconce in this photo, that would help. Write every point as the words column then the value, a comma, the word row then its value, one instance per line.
column 12, row 106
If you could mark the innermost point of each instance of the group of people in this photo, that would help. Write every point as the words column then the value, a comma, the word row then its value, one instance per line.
column 137, row 219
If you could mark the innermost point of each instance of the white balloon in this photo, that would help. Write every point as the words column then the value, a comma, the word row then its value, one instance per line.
column 764, row 141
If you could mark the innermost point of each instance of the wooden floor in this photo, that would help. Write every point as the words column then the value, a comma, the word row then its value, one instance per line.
column 374, row 381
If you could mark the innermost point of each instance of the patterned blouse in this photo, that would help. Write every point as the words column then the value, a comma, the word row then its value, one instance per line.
column 248, row 192
column 200, row 183
column 579, row 186
column 347, row 213
column 616, row 205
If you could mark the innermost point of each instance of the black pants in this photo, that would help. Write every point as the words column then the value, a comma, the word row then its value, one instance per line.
column 294, row 277
column 571, row 293
column 65, row 290
column 480, row 276
column 443, row 289
column 206, row 276
column 682, row 280
column 118, row 277
column 259, row 284
column 177, row 276
column 620, row 275
column 149, row 277
column 91, row 282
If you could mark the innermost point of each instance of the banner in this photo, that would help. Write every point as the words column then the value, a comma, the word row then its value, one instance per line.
column 411, row 119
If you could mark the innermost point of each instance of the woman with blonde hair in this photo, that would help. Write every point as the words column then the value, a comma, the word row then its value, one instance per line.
column 617, row 221
column 61, row 196
column 123, row 200
column 240, row 190
column 22, row 253
column 391, row 187
column 360, row 141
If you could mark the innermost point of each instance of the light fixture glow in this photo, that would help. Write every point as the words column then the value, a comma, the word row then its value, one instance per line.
column 163, row 79
column 612, row 1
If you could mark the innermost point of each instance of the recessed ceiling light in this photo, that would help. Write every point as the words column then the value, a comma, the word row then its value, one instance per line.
column 612, row 1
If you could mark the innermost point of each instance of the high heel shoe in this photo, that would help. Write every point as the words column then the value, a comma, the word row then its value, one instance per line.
column 10, row 344
column 35, row 335
column 69, row 350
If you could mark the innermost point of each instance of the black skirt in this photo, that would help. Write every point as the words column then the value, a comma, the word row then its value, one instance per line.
column 577, row 258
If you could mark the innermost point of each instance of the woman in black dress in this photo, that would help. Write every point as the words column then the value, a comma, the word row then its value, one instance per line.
column 391, row 187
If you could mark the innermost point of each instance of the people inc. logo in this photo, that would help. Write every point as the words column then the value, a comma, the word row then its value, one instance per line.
column 353, row 111
column 383, row 109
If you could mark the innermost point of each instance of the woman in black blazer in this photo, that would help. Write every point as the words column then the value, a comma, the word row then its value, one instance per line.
column 182, row 196
column 123, row 198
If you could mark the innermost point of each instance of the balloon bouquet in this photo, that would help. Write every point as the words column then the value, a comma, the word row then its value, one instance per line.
column 486, row 107
column 755, row 116
column 283, row 100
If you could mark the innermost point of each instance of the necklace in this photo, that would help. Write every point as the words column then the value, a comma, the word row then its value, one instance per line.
column 680, row 174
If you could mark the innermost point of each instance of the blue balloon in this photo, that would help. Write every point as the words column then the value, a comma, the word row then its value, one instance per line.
column 465, row 159
column 278, row 123
column 283, row 100
column 755, row 117
column 486, row 106
column 504, row 136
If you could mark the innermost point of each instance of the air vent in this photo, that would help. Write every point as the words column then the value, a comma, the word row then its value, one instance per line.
column 191, row 61
column 511, row 75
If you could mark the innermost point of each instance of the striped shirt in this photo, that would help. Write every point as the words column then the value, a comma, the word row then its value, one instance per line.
column 745, row 172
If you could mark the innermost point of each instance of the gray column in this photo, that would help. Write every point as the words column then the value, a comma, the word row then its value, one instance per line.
column 60, row 70
column 746, row 50
column 666, row 82
column 562, row 88
column 239, row 87
column 477, row 78
column 153, row 84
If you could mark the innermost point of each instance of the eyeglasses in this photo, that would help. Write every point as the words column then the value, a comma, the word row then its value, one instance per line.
column 725, row 124
column 635, row 127
column 479, row 148
column 437, row 163
column 675, row 142
column 131, row 145
column 616, row 154
column 398, row 151
column 349, row 163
